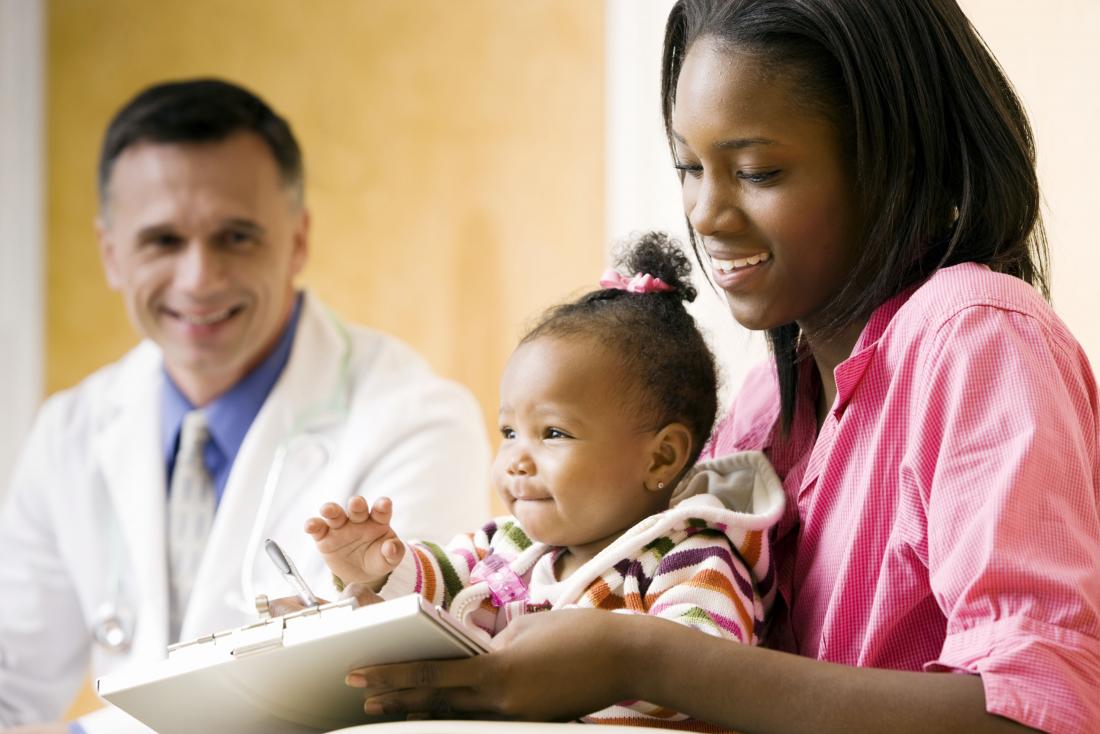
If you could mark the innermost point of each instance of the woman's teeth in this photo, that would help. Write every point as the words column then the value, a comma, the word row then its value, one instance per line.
column 729, row 265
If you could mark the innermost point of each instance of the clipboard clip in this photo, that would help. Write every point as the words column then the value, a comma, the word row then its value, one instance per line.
column 265, row 634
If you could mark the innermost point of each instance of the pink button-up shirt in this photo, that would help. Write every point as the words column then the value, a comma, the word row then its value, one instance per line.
column 947, row 515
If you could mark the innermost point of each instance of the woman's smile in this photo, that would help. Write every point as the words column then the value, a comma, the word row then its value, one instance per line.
column 732, row 274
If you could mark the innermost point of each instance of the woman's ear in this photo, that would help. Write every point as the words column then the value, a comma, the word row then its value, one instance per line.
column 671, row 448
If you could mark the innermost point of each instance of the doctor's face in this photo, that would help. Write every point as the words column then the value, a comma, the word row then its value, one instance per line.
column 203, row 241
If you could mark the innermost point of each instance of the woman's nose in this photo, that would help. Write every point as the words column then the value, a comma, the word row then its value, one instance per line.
column 712, row 208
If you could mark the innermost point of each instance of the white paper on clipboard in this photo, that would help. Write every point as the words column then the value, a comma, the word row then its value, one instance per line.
column 284, row 675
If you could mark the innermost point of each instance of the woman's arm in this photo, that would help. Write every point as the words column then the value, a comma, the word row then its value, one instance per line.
column 762, row 690
column 562, row 665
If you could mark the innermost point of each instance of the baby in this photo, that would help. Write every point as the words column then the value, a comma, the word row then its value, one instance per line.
column 604, row 407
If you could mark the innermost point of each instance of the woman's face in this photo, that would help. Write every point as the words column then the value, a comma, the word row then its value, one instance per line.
column 766, row 185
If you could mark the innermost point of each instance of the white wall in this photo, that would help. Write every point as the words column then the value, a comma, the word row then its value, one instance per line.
column 21, row 217
column 1047, row 48
column 643, row 191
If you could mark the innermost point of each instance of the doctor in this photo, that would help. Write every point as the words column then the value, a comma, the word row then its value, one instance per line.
column 202, row 230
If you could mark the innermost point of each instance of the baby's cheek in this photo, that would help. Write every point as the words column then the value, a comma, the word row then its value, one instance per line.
column 505, row 497
column 499, row 471
column 497, row 476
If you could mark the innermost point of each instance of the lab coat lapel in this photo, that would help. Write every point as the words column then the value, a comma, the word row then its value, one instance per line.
column 129, row 454
column 310, row 376
column 313, row 385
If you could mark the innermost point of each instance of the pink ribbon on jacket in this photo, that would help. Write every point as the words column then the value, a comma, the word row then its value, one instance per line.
column 640, row 283
column 504, row 584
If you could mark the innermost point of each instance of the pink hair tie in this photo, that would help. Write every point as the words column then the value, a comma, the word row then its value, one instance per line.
column 640, row 283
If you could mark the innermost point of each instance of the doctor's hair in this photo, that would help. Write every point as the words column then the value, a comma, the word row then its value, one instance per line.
column 671, row 373
column 199, row 111
column 940, row 147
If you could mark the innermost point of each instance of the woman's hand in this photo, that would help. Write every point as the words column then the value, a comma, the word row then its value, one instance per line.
column 561, row 665
column 578, row 654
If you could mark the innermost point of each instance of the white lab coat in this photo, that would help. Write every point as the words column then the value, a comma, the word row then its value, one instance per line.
column 93, row 470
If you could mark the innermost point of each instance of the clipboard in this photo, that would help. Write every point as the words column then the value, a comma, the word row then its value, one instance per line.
column 284, row 675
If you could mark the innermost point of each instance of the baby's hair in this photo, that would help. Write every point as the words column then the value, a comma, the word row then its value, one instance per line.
column 673, row 373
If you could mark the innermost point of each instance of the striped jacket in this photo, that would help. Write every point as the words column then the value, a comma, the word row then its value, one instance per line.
column 704, row 563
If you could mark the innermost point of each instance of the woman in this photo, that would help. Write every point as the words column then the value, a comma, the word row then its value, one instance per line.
column 861, row 178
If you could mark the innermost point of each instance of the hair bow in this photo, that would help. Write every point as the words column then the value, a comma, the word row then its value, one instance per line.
column 640, row 283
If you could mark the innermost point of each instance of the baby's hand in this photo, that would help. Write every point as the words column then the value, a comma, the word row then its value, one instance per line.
column 359, row 545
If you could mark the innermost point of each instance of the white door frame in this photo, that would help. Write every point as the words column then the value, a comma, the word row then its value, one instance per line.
column 22, row 242
column 641, row 190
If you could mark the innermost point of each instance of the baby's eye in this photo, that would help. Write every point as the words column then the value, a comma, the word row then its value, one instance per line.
column 556, row 433
column 508, row 432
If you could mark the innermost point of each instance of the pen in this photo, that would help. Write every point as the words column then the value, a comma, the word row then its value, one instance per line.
column 290, row 573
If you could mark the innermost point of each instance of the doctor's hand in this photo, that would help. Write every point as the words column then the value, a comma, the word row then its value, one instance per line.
column 582, row 655
column 289, row 604
column 358, row 544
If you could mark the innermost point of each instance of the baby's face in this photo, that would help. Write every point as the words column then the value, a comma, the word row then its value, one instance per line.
column 574, row 457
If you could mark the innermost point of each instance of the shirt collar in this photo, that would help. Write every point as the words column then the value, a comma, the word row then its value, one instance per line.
column 230, row 416
column 850, row 372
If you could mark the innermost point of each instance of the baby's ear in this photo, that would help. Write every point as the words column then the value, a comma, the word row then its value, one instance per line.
column 671, row 449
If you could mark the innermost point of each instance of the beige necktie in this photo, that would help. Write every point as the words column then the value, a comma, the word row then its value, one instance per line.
column 191, row 504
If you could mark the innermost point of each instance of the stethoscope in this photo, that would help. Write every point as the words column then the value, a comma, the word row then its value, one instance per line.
column 114, row 621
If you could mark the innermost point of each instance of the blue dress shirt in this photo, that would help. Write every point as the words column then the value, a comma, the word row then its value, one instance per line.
column 229, row 417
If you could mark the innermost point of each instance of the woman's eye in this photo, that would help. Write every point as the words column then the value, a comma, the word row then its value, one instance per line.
column 689, row 169
column 757, row 177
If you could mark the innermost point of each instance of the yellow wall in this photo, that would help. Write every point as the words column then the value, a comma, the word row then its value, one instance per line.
column 454, row 156
column 453, row 153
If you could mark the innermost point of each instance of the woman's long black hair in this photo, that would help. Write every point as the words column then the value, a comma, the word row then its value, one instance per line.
column 942, row 149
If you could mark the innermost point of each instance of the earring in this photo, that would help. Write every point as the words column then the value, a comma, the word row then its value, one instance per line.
column 660, row 485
